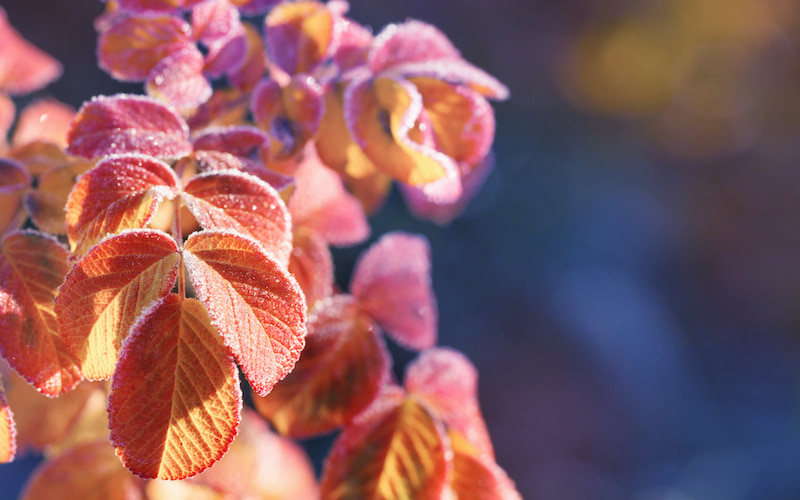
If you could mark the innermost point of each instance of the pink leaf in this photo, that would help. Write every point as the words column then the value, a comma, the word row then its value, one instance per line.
column 178, row 79
column 23, row 67
column 408, row 42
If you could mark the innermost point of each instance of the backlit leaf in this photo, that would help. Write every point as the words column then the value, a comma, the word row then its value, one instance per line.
column 128, row 124
column 456, row 72
column 394, row 450
column 120, row 192
column 8, row 434
column 14, row 182
column 243, row 203
column 477, row 477
column 410, row 41
column 32, row 267
column 131, row 48
column 253, row 302
column 23, row 67
column 39, row 156
column 178, row 79
column 382, row 116
column 44, row 120
column 448, row 383
column 392, row 283
column 175, row 397
column 90, row 471
column 298, row 35
column 254, row 65
column 46, row 203
column 311, row 264
column 343, row 350
column 106, row 291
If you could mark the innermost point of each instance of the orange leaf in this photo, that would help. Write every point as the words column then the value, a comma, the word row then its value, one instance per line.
column 476, row 476
column 343, row 350
column 32, row 267
column 392, row 282
column 8, row 432
column 120, row 192
column 107, row 290
column 89, row 472
column 46, row 203
column 253, row 302
column 45, row 120
column 39, row 156
column 240, row 202
column 394, row 450
column 311, row 264
column 175, row 397
column 14, row 182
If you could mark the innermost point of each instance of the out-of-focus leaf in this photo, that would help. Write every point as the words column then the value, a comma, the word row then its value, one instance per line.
column 299, row 35
column 175, row 397
column 408, row 42
column 242, row 141
column 149, row 6
column 7, row 113
column 131, row 48
column 121, row 192
column 392, row 282
column 162, row 489
column 448, row 384
column 354, row 43
column 8, row 431
column 90, row 471
column 178, row 79
column 216, row 25
column 343, row 350
column 45, row 120
column 14, row 183
column 476, row 476
column 23, row 67
column 227, row 106
column 254, row 65
column 39, row 156
column 253, row 301
column 46, row 203
column 396, row 449
column 106, row 291
column 32, row 267
column 456, row 72
column 311, row 264
column 128, row 124
column 240, row 202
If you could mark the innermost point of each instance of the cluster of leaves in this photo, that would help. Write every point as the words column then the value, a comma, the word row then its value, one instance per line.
column 155, row 246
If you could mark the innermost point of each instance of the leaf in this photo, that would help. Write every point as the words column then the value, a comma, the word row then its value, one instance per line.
column 128, row 124
column 311, row 264
column 394, row 450
column 131, row 48
column 178, row 79
column 106, row 291
column 477, row 477
column 254, row 65
column 8, row 431
column 46, row 203
column 242, row 141
column 32, row 267
column 89, row 472
column 243, row 203
column 448, row 384
column 150, row 6
column 410, row 41
column 254, row 303
column 23, row 67
column 298, row 35
column 14, row 182
column 382, row 115
column 44, row 120
column 392, row 283
column 175, row 397
column 39, row 156
column 121, row 192
column 343, row 350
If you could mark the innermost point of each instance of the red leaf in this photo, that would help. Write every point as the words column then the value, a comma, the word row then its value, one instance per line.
column 106, row 291
column 242, row 141
column 243, row 203
column 476, row 476
column 311, row 264
column 253, row 301
column 448, row 383
column 131, row 48
column 23, row 67
column 8, row 432
column 392, row 283
column 178, row 79
column 343, row 350
column 14, row 182
column 120, row 192
column 32, row 267
column 175, row 398
column 394, row 450
column 128, row 124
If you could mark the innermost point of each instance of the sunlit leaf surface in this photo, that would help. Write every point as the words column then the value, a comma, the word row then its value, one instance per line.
column 253, row 302
column 175, row 398
column 32, row 267
column 477, row 477
column 8, row 434
column 106, row 291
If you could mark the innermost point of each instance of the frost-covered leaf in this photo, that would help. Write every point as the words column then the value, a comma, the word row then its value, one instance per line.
column 448, row 383
column 132, row 47
column 407, row 42
column 247, row 143
column 14, row 183
column 8, row 431
column 392, row 282
column 396, row 449
column 178, row 79
column 343, row 350
column 299, row 35
column 253, row 301
column 106, row 291
column 23, row 67
column 120, row 192
column 243, row 203
column 128, row 124
column 90, row 471
column 175, row 398
column 32, row 267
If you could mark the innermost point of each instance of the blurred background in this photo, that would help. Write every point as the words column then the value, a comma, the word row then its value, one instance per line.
column 628, row 281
